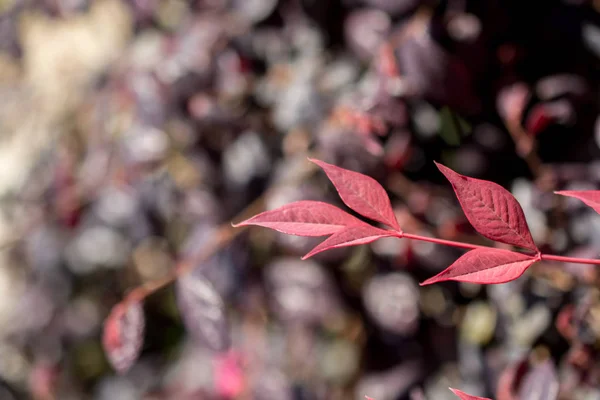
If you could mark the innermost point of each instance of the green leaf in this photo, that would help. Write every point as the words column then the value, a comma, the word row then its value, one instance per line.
column 453, row 127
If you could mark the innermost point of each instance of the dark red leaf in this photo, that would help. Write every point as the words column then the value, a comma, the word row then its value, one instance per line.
column 463, row 396
column 589, row 197
column 492, row 210
column 123, row 335
column 564, row 322
column 203, row 311
column 350, row 236
column 304, row 218
column 361, row 193
column 538, row 120
column 485, row 266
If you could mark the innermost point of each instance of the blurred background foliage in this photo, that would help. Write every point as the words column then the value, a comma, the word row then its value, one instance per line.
column 131, row 130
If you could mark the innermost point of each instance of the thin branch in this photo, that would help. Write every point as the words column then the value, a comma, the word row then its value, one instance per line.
column 550, row 257
column 225, row 234
column 451, row 243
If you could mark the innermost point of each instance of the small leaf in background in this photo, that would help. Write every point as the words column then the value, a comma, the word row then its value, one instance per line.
column 304, row 218
column 361, row 193
column 485, row 266
column 540, row 383
column 510, row 380
column 538, row 119
column 589, row 197
column 203, row 311
column 300, row 292
column 464, row 396
column 43, row 380
column 492, row 210
column 350, row 236
column 391, row 300
column 452, row 126
column 229, row 379
column 124, row 335
column 395, row 382
column 511, row 100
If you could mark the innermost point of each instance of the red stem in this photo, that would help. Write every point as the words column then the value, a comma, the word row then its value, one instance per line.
column 442, row 241
column 550, row 257
column 546, row 257
column 226, row 235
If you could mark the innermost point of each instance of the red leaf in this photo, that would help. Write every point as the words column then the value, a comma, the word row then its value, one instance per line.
column 304, row 218
column 463, row 396
column 589, row 197
column 123, row 335
column 492, row 210
column 485, row 266
column 350, row 236
column 361, row 193
column 538, row 120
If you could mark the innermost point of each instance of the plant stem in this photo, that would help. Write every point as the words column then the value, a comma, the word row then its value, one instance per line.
column 550, row 257
column 442, row 241
column 223, row 236
column 545, row 257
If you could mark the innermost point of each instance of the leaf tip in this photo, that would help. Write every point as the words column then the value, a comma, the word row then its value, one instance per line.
column 239, row 224
column 313, row 252
column 446, row 171
column 443, row 169
column 246, row 222
column 427, row 282
column 315, row 161
column 465, row 396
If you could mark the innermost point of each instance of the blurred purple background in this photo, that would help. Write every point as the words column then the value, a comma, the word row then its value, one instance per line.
column 133, row 132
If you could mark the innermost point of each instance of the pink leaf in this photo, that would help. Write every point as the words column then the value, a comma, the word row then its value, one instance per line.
column 463, row 396
column 361, row 193
column 350, row 236
column 229, row 376
column 485, row 266
column 123, row 335
column 492, row 210
column 304, row 218
column 589, row 197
